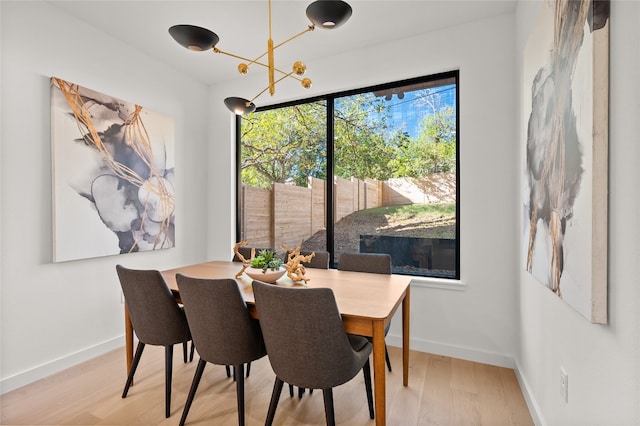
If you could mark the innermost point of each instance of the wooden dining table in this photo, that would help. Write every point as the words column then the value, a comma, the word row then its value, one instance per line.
column 366, row 301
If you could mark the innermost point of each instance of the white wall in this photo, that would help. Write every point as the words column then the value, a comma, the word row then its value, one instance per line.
column 56, row 315
column 479, row 322
column 602, row 361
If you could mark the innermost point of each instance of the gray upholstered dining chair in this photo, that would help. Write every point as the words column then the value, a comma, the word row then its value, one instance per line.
column 307, row 345
column 157, row 320
column 246, row 252
column 223, row 331
column 376, row 263
column 320, row 260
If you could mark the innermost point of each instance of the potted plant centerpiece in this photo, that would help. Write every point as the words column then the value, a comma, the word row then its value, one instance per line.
column 265, row 267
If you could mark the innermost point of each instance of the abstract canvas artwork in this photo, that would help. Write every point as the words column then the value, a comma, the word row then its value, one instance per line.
column 113, row 175
column 566, row 81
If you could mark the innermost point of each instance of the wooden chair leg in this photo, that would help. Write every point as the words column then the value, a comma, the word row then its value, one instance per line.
column 168, row 367
column 328, row 406
column 134, row 366
column 366, row 370
column 275, row 397
column 240, row 392
column 192, row 392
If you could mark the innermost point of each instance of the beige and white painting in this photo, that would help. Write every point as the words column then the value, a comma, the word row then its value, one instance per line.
column 566, row 83
column 113, row 175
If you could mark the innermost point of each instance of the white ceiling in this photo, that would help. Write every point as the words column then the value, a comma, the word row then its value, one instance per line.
column 243, row 30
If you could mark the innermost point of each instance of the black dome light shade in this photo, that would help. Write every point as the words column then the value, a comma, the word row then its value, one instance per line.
column 328, row 14
column 194, row 38
column 239, row 106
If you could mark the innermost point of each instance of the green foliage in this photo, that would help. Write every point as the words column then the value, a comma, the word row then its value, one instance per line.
column 288, row 145
column 431, row 209
column 284, row 145
column 266, row 260
column 363, row 147
column 433, row 151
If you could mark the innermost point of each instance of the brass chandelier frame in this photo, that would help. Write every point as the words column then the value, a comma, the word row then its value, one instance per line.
column 327, row 14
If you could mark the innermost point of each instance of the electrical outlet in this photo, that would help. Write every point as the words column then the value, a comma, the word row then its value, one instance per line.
column 564, row 385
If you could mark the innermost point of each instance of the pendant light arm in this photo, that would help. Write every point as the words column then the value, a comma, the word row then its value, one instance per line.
column 255, row 61
column 309, row 28
column 233, row 55
column 276, row 82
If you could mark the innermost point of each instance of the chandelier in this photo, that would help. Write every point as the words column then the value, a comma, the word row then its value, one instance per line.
column 327, row 14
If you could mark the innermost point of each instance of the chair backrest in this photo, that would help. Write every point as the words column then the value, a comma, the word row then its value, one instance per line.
column 304, row 336
column 377, row 263
column 223, row 331
column 319, row 261
column 156, row 317
column 246, row 252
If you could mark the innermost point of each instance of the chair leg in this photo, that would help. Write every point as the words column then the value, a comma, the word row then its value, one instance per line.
column 248, row 368
column 291, row 391
column 185, row 345
column 134, row 366
column 168, row 366
column 300, row 392
column 275, row 397
column 240, row 392
column 328, row 406
column 228, row 371
column 386, row 356
column 193, row 349
column 366, row 370
column 192, row 392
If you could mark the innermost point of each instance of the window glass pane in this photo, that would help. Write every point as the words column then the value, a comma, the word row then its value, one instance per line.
column 283, row 169
column 385, row 182
column 395, row 176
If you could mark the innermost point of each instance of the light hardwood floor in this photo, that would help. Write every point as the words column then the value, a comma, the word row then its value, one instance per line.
column 441, row 391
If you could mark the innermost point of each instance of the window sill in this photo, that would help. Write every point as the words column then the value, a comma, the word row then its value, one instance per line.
column 443, row 284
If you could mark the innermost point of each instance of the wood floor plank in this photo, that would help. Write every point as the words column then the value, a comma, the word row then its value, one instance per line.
column 441, row 391
column 437, row 399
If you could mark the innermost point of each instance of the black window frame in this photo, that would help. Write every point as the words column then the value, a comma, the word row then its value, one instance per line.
column 330, row 104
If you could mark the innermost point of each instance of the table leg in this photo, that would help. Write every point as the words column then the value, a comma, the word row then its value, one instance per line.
column 406, row 319
column 379, row 373
column 128, row 337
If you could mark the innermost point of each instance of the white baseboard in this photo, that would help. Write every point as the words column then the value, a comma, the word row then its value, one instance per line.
column 31, row 375
column 460, row 352
column 534, row 408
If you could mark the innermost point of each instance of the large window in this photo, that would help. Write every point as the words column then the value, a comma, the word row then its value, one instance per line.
column 369, row 170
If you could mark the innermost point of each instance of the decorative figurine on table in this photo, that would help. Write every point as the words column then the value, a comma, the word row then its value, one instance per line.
column 245, row 262
column 295, row 268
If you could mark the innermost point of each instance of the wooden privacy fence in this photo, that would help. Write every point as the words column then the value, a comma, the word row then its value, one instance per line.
column 291, row 214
